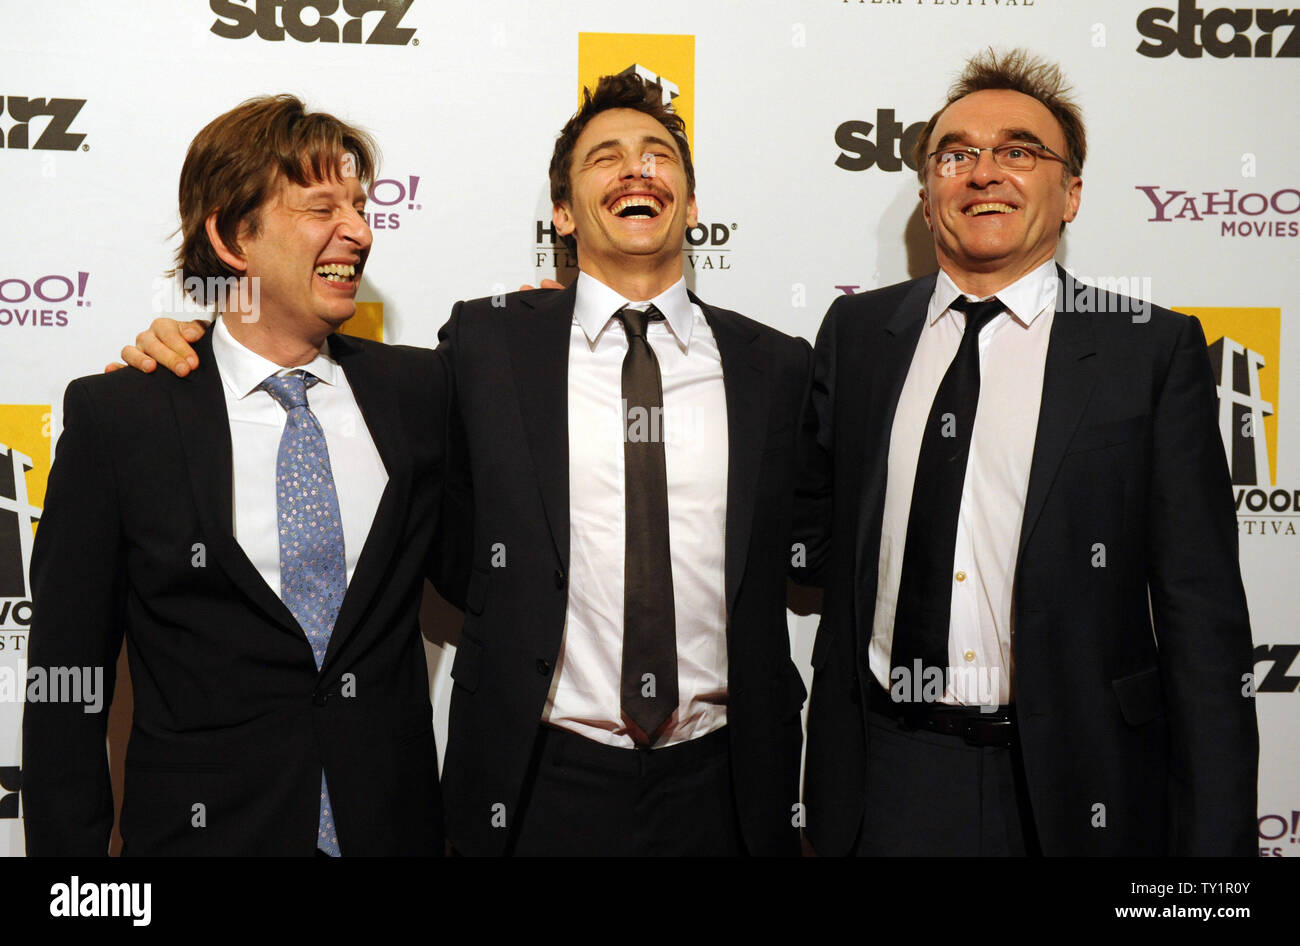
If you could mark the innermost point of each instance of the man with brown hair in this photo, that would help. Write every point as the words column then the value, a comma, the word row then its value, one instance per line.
column 269, row 601
column 1034, row 635
column 623, row 683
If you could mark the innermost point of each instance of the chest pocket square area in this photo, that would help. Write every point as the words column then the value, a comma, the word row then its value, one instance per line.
column 1107, row 434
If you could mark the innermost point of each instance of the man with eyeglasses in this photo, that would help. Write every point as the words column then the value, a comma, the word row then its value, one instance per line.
column 1034, row 636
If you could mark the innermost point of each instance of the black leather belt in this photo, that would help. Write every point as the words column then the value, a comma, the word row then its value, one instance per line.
column 976, row 727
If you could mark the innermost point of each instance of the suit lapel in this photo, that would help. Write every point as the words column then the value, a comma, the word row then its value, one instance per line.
column 538, row 336
column 885, row 359
column 200, row 408
column 747, row 411
column 1068, row 379
column 378, row 401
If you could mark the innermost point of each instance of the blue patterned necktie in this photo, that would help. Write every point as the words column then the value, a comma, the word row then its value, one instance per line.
column 313, row 567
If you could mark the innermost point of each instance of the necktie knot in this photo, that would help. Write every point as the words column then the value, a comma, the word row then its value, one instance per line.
column 978, row 314
column 635, row 320
column 289, row 391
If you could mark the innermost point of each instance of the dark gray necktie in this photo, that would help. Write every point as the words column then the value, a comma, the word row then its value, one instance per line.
column 648, row 685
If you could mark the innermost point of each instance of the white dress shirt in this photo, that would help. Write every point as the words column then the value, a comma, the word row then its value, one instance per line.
column 256, row 423
column 1013, row 352
column 584, row 696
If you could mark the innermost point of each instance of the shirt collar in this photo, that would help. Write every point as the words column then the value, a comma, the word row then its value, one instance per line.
column 596, row 304
column 243, row 370
column 1026, row 299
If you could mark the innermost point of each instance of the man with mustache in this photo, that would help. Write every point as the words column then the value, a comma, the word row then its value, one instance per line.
column 1034, row 636
column 623, row 681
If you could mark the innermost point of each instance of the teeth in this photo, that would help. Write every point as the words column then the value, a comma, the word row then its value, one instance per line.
column 986, row 208
column 637, row 201
column 337, row 272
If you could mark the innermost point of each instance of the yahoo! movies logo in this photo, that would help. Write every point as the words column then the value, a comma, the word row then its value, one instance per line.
column 43, row 302
column 57, row 135
column 314, row 21
column 1239, row 213
column 1224, row 32
column 392, row 195
column 891, row 150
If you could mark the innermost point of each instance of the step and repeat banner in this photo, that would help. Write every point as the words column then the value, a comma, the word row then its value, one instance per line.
column 801, row 114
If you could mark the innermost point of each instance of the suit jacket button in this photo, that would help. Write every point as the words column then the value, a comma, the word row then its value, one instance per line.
column 559, row 579
column 319, row 699
column 544, row 667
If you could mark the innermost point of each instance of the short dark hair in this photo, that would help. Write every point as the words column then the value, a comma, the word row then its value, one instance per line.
column 235, row 161
column 625, row 90
column 1020, row 71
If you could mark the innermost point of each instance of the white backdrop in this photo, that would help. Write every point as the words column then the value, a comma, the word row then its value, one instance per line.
column 792, row 104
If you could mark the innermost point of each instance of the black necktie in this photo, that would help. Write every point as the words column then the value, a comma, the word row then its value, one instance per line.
column 648, row 687
column 925, row 589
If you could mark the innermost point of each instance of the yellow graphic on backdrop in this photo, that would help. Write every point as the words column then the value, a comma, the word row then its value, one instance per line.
column 1244, row 346
column 665, row 59
column 368, row 322
column 24, row 471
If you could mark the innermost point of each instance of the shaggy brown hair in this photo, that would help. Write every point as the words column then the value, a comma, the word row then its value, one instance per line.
column 235, row 163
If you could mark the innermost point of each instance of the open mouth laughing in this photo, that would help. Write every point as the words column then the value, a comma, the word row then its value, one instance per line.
column 637, row 206
column 340, row 274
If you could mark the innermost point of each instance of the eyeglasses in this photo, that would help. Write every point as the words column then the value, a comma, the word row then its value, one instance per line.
column 1020, row 156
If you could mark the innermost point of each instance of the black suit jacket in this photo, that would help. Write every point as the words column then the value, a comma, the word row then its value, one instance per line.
column 230, row 712
column 1149, row 721
column 509, row 426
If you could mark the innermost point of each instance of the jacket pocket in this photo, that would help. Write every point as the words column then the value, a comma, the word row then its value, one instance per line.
column 1108, row 434
column 1141, row 696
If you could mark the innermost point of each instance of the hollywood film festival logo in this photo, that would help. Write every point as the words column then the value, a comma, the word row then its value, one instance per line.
column 706, row 243
column 24, row 466
column 315, row 21
column 24, row 469
column 1244, row 357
